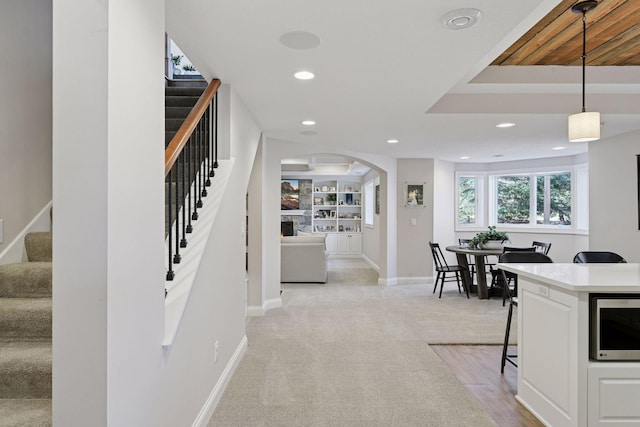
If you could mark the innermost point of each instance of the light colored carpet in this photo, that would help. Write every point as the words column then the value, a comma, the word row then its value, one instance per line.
column 352, row 353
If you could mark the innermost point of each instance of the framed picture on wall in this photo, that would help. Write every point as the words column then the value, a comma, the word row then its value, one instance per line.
column 414, row 195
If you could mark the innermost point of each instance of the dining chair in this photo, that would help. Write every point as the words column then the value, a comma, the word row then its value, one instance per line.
column 541, row 247
column 597, row 257
column 514, row 257
column 442, row 269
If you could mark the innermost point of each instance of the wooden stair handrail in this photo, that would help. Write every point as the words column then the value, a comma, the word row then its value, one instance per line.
column 181, row 137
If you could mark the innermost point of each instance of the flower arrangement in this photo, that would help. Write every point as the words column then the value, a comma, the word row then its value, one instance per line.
column 481, row 239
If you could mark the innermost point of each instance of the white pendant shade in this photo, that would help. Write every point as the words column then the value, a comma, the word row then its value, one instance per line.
column 584, row 127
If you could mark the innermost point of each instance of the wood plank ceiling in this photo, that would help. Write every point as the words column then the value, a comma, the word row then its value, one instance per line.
column 613, row 37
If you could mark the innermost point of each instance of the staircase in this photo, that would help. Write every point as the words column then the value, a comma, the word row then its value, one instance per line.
column 179, row 98
column 25, row 336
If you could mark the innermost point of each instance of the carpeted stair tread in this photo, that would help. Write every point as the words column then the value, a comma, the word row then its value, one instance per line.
column 25, row 412
column 25, row 370
column 176, row 112
column 180, row 101
column 25, row 279
column 183, row 90
column 26, row 319
column 172, row 124
column 38, row 246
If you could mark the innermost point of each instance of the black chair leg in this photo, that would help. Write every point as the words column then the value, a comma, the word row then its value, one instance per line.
column 458, row 280
column 435, row 283
column 441, row 284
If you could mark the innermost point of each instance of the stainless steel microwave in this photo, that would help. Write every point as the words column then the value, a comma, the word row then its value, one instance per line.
column 615, row 327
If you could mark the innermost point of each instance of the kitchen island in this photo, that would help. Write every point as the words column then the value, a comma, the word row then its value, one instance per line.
column 557, row 381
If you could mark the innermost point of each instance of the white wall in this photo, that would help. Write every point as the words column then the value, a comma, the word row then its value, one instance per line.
column 25, row 113
column 415, row 263
column 444, row 206
column 613, row 211
column 109, row 365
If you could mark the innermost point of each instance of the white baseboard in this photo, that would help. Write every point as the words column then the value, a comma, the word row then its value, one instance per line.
column 15, row 252
column 214, row 398
column 391, row 281
column 371, row 263
column 270, row 304
column 255, row 311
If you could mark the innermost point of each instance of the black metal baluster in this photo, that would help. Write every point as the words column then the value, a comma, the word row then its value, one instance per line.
column 176, row 257
column 199, row 166
column 192, row 176
column 183, row 241
column 207, row 144
column 210, row 140
column 215, row 135
column 170, row 274
column 203, row 172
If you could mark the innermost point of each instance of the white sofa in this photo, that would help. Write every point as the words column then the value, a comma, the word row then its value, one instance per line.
column 303, row 259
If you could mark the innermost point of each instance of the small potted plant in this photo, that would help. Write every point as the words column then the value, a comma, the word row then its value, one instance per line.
column 491, row 239
column 176, row 60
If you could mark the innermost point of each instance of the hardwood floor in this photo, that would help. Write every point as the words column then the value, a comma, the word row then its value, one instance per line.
column 478, row 369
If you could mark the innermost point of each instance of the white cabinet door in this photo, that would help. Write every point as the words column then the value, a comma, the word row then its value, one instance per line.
column 349, row 244
column 548, row 353
column 356, row 244
column 343, row 244
column 614, row 388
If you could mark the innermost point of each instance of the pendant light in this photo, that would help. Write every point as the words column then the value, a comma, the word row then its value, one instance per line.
column 584, row 126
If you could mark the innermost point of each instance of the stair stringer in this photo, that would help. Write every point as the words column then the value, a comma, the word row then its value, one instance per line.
column 179, row 289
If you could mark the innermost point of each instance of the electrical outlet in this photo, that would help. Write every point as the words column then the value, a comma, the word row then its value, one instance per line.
column 216, row 348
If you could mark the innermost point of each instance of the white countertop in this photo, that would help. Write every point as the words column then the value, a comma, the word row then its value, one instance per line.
column 582, row 277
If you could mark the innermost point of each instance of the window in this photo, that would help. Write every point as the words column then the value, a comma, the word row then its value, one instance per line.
column 368, row 203
column 467, row 200
column 531, row 199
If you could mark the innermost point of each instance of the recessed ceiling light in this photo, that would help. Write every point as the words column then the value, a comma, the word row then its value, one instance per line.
column 304, row 75
column 392, row 141
column 505, row 125
column 465, row 158
column 308, row 122
column 558, row 148
column 300, row 40
column 460, row 19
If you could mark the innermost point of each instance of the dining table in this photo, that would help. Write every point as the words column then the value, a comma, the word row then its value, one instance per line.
column 462, row 252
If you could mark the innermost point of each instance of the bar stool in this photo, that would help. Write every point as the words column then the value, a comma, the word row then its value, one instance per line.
column 506, row 357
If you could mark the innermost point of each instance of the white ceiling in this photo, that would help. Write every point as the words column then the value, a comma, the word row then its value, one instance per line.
column 390, row 69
